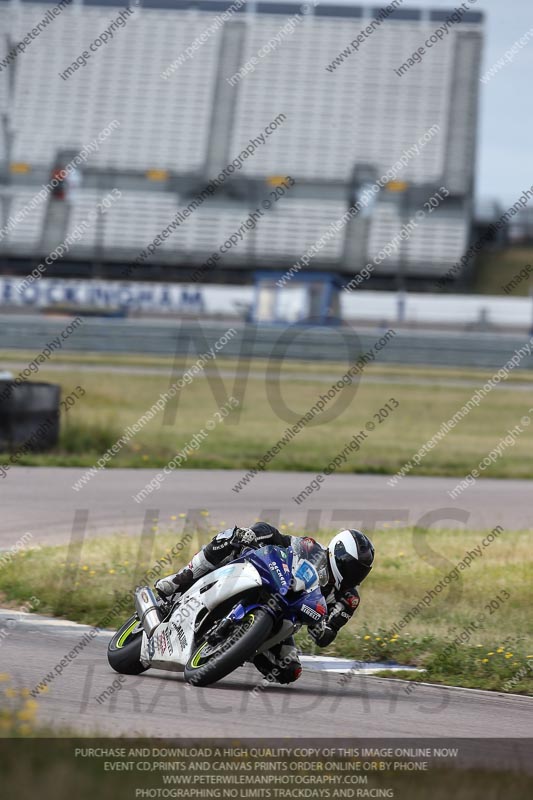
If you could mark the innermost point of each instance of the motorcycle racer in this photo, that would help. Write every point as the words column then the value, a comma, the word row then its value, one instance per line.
column 349, row 558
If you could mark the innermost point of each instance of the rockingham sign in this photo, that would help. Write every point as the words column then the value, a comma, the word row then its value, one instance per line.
column 108, row 295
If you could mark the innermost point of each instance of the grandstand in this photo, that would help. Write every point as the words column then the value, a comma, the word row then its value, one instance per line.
column 181, row 120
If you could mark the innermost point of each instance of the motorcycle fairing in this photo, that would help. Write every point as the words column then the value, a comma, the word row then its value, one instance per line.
column 170, row 646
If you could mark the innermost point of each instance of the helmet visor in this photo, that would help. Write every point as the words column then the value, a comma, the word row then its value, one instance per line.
column 352, row 571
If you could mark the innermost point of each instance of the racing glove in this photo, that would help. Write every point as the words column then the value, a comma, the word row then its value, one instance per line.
column 322, row 634
column 243, row 537
column 339, row 614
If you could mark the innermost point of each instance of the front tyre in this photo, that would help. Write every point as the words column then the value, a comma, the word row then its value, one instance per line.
column 209, row 663
column 124, row 649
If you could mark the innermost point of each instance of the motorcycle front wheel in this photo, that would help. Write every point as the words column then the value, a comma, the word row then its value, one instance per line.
column 124, row 649
column 211, row 662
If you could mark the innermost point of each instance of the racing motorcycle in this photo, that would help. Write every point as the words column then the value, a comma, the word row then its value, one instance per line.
column 226, row 617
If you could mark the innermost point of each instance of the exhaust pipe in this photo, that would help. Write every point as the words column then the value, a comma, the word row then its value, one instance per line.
column 147, row 609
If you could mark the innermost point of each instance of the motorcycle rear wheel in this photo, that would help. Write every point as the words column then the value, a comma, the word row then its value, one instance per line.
column 204, row 667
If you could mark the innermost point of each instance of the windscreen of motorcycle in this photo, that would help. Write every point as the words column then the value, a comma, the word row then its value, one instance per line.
column 310, row 563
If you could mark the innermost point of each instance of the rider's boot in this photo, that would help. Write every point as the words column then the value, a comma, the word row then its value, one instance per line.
column 280, row 664
column 185, row 578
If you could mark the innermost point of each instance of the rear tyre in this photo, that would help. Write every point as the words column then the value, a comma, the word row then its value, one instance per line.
column 124, row 649
column 209, row 663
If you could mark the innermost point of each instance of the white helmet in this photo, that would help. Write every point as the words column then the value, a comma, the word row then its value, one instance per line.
column 350, row 555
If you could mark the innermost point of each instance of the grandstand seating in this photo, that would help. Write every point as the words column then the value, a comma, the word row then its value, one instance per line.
column 437, row 241
column 163, row 123
column 131, row 223
column 361, row 113
column 28, row 231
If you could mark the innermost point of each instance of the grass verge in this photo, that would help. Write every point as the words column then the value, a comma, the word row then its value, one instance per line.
column 113, row 401
column 494, row 638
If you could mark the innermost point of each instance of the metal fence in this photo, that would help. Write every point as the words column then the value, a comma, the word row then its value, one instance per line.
column 307, row 343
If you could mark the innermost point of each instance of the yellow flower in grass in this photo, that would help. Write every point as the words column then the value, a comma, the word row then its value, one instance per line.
column 366, row 638
column 499, row 650
column 91, row 573
column 529, row 656
column 182, row 515
column 85, row 568
column 491, row 653
column 26, row 715
column 378, row 638
column 484, row 660
column 112, row 571
column 508, row 655
column 392, row 640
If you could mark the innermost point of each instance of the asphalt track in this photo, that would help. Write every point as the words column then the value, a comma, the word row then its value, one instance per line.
column 404, row 380
column 160, row 703
column 41, row 501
